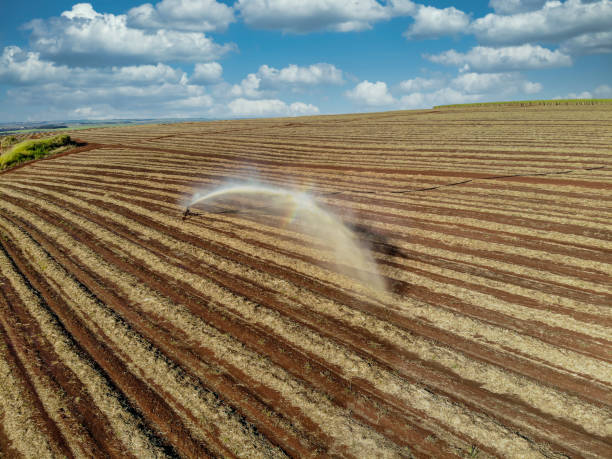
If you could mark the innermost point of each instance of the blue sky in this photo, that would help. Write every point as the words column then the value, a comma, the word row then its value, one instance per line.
column 250, row 58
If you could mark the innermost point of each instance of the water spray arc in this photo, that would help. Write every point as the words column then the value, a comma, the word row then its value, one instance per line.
column 299, row 210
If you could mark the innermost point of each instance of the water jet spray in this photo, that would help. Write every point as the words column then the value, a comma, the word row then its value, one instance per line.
column 299, row 211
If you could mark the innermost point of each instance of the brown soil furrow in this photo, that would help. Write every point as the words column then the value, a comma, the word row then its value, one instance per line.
column 445, row 236
column 66, row 424
column 30, row 340
column 393, row 183
column 125, row 424
column 488, row 186
column 318, row 182
column 476, row 276
column 582, row 283
column 199, row 159
column 23, row 414
column 473, row 184
column 453, row 301
column 527, row 241
column 421, row 175
column 254, row 407
column 127, row 158
column 489, row 226
column 538, row 329
column 483, row 271
column 384, row 422
column 345, row 169
column 166, row 283
column 283, row 273
column 332, row 154
column 404, row 159
column 279, row 148
column 408, row 158
column 421, row 210
column 403, row 152
column 394, row 215
column 507, row 218
column 182, row 196
column 407, row 183
column 155, row 408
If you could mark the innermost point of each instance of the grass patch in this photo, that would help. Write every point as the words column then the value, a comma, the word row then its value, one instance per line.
column 529, row 103
column 34, row 149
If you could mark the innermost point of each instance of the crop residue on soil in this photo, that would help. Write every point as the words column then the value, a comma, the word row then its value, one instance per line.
column 245, row 328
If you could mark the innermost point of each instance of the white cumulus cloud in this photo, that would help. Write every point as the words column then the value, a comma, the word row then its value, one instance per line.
column 190, row 15
column 269, row 107
column 82, row 36
column 515, row 6
column 582, row 95
column 205, row 73
column 603, row 91
column 465, row 88
column 487, row 59
column 61, row 100
column 421, row 84
column 299, row 16
column 315, row 74
column 146, row 73
column 270, row 79
column 442, row 96
column 498, row 83
column 431, row 22
column 199, row 102
column 22, row 67
column 62, row 92
column 19, row 67
column 371, row 94
column 554, row 22
column 248, row 87
column 589, row 43
column 529, row 87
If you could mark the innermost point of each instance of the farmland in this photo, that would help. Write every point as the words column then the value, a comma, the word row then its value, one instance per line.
column 127, row 330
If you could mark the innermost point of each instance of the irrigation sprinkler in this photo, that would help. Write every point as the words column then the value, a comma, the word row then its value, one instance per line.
column 298, row 211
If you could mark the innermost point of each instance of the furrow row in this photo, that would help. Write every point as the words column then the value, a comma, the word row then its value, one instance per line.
column 544, row 351
column 255, row 362
column 90, row 323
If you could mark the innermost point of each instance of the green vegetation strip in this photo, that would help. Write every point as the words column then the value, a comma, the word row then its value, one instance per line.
column 525, row 103
column 34, row 149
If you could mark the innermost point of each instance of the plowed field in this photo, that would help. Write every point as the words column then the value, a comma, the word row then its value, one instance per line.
column 126, row 330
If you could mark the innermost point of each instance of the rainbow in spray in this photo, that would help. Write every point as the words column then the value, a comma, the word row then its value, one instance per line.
column 299, row 209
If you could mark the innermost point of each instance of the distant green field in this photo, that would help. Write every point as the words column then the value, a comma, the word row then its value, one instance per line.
column 34, row 149
column 525, row 103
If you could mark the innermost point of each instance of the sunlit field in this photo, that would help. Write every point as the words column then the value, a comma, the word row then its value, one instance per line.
column 427, row 283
